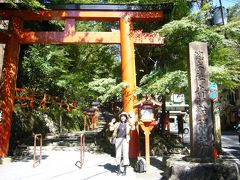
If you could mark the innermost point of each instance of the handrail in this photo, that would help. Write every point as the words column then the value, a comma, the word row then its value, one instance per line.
column 35, row 161
column 82, row 151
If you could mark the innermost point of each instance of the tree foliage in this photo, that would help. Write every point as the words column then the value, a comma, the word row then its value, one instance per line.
column 168, row 83
column 223, row 49
column 107, row 88
column 32, row 4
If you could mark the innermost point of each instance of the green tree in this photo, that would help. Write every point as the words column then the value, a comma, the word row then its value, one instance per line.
column 170, row 76
column 224, row 66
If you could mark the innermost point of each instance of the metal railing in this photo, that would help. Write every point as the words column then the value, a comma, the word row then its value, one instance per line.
column 82, row 151
column 35, row 160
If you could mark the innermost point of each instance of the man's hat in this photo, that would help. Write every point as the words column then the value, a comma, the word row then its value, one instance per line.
column 123, row 113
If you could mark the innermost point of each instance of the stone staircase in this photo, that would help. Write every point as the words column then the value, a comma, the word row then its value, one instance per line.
column 70, row 141
column 95, row 141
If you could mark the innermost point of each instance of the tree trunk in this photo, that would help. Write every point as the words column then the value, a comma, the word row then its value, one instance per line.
column 163, row 115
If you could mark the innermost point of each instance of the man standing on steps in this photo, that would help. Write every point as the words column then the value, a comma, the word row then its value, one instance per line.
column 121, row 131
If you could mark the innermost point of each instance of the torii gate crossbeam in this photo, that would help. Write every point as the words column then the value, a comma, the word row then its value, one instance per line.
column 125, row 36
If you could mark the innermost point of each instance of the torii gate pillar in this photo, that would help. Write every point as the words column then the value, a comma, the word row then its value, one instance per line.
column 129, row 76
column 10, row 64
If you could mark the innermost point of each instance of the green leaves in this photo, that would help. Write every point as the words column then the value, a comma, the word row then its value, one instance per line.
column 107, row 88
column 226, row 69
column 223, row 49
column 234, row 13
column 232, row 31
column 43, row 66
column 181, row 9
column 32, row 4
column 166, row 84
column 68, row 69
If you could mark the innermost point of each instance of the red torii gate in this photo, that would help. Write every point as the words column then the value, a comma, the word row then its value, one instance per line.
column 125, row 36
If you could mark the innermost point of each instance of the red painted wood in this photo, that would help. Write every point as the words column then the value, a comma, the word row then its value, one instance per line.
column 81, row 15
column 9, row 76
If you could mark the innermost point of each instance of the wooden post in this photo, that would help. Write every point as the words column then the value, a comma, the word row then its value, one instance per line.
column 60, row 123
column 89, row 121
column 93, row 121
column 10, row 65
column 84, row 120
column 31, row 103
column 217, row 127
column 147, row 145
column 43, row 102
column 200, row 110
column 147, row 127
column 129, row 76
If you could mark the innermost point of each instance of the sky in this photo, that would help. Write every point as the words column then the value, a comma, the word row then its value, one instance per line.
column 225, row 3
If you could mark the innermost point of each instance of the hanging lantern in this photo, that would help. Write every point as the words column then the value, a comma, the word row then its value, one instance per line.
column 219, row 16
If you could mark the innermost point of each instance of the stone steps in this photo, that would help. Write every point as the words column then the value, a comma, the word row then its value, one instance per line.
column 69, row 141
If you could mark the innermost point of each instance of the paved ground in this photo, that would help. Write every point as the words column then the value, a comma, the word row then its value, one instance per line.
column 61, row 165
column 60, row 161
column 231, row 146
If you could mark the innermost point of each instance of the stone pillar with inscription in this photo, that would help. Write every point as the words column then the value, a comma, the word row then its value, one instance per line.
column 201, row 134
